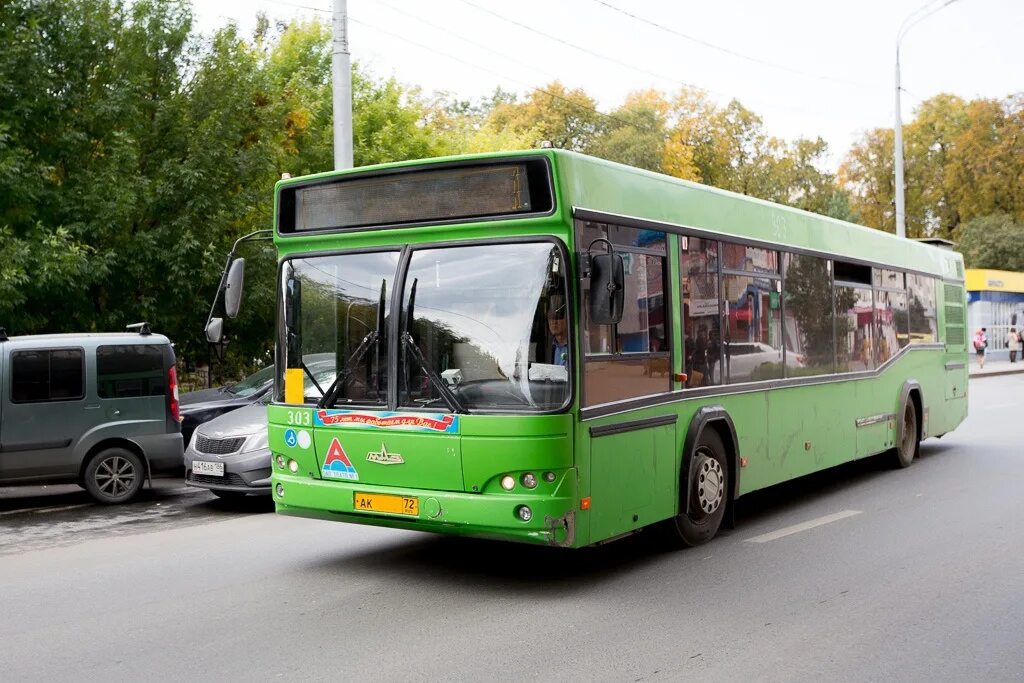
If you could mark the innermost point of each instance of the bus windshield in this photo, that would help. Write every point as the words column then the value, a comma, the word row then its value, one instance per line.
column 489, row 321
column 482, row 328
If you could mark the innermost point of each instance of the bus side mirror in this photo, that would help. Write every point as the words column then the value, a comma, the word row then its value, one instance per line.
column 607, row 288
column 215, row 330
column 233, row 288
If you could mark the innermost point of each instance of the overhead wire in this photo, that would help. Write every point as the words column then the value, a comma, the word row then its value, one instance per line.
column 572, row 103
column 730, row 51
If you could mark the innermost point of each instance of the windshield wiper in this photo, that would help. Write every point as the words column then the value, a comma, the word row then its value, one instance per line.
column 449, row 397
column 371, row 339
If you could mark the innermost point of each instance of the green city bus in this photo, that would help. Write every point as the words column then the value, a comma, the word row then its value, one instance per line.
column 546, row 347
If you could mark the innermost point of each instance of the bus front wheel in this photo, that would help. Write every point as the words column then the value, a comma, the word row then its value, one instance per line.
column 707, row 485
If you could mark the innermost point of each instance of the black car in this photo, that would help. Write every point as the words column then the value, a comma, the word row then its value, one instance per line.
column 202, row 406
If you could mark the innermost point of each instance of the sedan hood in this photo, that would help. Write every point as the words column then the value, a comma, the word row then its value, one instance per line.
column 248, row 420
column 205, row 395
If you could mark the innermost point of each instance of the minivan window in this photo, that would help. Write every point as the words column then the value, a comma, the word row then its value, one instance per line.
column 47, row 375
column 130, row 371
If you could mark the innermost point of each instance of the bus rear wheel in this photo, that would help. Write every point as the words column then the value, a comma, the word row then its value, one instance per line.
column 707, row 484
column 909, row 442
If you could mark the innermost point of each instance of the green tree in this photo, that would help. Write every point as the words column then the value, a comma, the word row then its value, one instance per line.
column 993, row 241
column 636, row 132
column 568, row 119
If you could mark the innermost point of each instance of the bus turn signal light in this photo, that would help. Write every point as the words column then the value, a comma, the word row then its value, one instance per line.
column 585, row 503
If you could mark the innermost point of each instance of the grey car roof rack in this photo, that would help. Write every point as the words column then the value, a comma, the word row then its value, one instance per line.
column 141, row 328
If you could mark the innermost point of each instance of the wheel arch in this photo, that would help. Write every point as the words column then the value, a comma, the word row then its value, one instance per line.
column 711, row 417
column 910, row 391
column 112, row 442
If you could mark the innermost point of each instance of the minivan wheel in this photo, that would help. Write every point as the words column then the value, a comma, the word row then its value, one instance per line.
column 114, row 475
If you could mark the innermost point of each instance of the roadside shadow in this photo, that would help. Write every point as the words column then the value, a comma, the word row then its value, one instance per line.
column 486, row 566
column 241, row 505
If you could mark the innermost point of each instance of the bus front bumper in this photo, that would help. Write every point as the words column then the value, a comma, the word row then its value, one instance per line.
column 552, row 520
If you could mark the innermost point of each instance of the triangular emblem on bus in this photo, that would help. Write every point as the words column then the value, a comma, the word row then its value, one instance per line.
column 337, row 465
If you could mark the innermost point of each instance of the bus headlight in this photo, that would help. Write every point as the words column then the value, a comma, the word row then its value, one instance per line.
column 293, row 466
column 524, row 513
column 508, row 482
column 529, row 480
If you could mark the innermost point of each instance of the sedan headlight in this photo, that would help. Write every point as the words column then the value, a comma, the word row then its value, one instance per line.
column 256, row 442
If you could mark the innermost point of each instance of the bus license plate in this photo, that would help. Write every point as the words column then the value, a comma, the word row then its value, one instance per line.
column 377, row 502
column 212, row 469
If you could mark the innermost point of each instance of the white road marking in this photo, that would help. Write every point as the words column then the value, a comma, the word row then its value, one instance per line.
column 19, row 512
column 804, row 526
column 62, row 507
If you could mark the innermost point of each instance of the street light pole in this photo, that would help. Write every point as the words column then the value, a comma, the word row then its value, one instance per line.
column 901, row 222
column 341, row 72
column 916, row 16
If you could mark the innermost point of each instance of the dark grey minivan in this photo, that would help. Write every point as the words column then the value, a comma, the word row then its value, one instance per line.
column 100, row 410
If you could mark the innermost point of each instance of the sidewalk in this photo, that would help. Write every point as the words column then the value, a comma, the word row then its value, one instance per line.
column 995, row 367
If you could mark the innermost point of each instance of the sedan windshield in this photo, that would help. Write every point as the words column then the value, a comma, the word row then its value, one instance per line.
column 253, row 383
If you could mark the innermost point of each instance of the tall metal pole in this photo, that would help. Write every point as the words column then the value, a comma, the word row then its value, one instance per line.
column 923, row 12
column 901, row 223
column 341, row 71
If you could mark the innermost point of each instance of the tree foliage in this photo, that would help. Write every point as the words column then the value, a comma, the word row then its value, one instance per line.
column 995, row 241
column 134, row 152
column 962, row 160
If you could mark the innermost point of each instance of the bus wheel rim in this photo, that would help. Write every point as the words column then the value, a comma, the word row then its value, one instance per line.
column 709, row 482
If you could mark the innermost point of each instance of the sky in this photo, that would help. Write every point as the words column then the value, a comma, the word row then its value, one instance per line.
column 809, row 68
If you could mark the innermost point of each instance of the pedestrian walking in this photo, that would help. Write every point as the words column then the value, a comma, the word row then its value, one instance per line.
column 1012, row 340
column 979, row 342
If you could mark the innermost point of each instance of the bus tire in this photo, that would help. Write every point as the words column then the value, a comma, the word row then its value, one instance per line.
column 909, row 440
column 114, row 475
column 707, row 487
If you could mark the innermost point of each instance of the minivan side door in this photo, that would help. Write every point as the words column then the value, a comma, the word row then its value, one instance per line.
column 44, row 396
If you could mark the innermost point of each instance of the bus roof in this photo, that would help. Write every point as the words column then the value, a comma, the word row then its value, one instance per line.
column 591, row 184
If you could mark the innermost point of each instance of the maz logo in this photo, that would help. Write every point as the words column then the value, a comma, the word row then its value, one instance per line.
column 382, row 457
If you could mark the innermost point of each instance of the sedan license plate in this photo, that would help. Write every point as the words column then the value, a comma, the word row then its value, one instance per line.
column 213, row 469
column 377, row 502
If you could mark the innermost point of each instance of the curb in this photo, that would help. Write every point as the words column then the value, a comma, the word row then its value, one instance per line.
column 995, row 373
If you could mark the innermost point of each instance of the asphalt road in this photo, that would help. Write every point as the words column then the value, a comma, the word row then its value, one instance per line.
column 862, row 573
